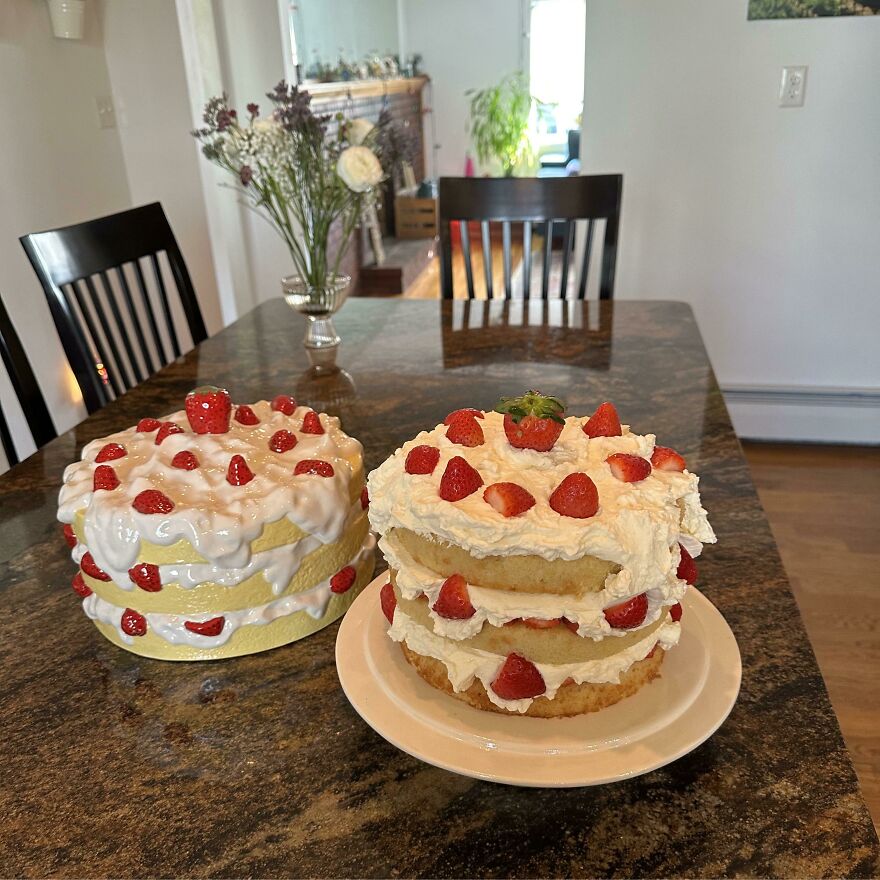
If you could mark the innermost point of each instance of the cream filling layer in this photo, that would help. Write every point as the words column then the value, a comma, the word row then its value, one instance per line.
column 497, row 607
column 171, row 627
column 463, row 665
column 278, row 564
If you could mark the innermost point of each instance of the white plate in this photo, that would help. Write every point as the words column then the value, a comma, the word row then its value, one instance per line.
column 666, row 719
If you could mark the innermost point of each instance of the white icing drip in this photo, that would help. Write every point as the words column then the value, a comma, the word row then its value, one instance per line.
column 171, row 627
column 497, row 607
column 463, row 665
column 278, row 564
column 218, row 519
column 637, row 526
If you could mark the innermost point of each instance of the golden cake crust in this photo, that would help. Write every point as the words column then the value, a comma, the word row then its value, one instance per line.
column 571, row 699
column 527, row 574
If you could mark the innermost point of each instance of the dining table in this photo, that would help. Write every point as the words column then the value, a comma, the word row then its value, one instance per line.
column 114, row 765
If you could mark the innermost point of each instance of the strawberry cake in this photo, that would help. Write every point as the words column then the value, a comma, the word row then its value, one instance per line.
column 536, row 562
column 219, row 530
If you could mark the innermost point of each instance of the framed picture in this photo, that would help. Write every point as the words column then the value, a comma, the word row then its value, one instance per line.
column 811, row 8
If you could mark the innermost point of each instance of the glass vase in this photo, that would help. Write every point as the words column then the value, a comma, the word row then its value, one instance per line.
column 319, row 306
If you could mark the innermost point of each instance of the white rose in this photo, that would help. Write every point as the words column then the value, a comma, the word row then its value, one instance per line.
column 359, row 169
column 358, row 130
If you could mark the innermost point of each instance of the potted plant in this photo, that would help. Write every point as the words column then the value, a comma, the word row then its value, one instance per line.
column 499, row 121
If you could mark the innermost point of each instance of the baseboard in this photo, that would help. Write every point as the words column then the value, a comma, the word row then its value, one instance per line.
column 805, row 414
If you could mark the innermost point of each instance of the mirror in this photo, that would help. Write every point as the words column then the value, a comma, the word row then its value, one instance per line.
column 345, row 39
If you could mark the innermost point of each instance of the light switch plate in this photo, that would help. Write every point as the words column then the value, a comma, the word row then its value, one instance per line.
column 106, row 112
column 793, row 86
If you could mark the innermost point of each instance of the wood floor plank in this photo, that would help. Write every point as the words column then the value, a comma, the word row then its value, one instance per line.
column 823, row 504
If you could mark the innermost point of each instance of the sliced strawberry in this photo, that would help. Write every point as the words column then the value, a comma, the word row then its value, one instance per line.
column 576, row 496
column 665, row 459
column 570, row 624
column 459, row 413
column 208, row 410
column 628, row 468
column 110, row 452
column 459, row 480
column 687, row 568
column 518, row 679
column 244, row 415
column 343, row 580
column 132, row 623
column 509, row 499
column 604, row 422
column 147, row 426
column 104, row 478
column 238, row 473
column 282, row 441
column 312, row 423
column 313, row 466
column 79, row 586
column 146, row 576
column 422, row 460
column 212, row 627
column 532, row 421
column 365, row 498
column 90, row 567
column 283, row 403
column 69, row 535
column 675, row 612
column 465, row 431
column 454, row 601
column 629, row 613
column 166, row 430
column 652, row 652
column 541, row 623
column 152, row 501
column 185, row 461
column 388, row 601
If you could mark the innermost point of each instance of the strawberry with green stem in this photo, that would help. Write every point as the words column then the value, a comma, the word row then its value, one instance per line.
column 533, row 421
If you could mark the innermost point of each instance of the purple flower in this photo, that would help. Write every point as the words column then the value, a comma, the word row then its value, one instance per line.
column 253, row 109
column 246, row 174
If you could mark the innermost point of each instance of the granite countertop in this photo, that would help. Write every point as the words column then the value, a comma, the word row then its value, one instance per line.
column 113, row 765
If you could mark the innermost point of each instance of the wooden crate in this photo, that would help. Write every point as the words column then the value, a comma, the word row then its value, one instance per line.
column 415, row 218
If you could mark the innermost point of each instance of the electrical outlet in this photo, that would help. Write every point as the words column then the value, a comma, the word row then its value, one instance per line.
column 106, row 112
column 793, row 86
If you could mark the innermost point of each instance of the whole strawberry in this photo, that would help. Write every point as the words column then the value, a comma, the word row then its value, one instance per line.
column 532, row 421
column 209, row 409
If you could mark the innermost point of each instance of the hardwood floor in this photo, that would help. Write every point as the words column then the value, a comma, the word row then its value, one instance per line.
column 823, row 503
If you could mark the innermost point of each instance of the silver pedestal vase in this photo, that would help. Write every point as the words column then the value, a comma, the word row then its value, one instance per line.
column 318, row 305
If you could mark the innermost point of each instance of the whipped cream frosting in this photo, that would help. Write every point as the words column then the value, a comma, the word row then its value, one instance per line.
column 218, row 519
column 171, row 627
column 463, row 665
column 278, row 565
column 638, row 525
column 497, row 607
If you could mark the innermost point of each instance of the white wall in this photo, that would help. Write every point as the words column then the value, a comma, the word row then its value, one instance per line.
column 145, row 62
column 764, row 219
column 58, row 167
column 465, row 45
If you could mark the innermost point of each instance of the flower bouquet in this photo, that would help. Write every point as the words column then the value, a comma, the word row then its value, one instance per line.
column 305, row 173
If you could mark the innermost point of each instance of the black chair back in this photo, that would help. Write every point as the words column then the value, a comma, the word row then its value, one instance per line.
column 77, row 266
column 26, row 389
column 552, row 204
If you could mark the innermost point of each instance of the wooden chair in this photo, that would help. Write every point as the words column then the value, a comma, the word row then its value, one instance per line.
column 76, row 266
column 551, row 204
column 26, row 389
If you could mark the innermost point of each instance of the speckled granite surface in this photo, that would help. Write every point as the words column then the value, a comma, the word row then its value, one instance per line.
column 113, row 765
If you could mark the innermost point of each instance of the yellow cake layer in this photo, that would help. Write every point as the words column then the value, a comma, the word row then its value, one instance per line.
column 249, row 639
column 319, row 565
column 554, row 646
column 274, row 534
column 570, row 699
column 528, row 574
